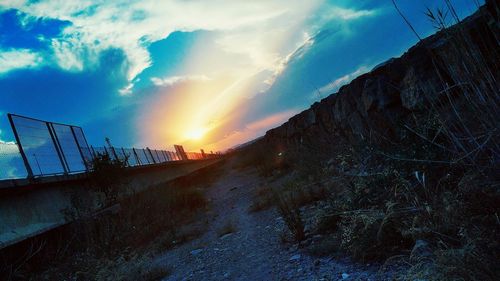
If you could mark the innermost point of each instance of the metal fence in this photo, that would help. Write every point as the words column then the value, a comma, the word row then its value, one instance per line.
column 47, row 148
column 141, row 156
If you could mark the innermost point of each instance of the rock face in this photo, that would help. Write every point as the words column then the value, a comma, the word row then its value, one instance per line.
column 374, row 103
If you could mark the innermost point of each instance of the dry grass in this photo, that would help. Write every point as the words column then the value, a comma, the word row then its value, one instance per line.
column 328, row 245
column 288, row 208
column 262, row 200
column 137, row 268
column 121, row 244
column 435, row 181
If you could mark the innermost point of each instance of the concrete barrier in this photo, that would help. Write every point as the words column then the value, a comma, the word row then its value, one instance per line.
column 32, row 207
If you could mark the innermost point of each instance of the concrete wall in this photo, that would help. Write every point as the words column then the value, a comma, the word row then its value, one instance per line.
column 30, row 208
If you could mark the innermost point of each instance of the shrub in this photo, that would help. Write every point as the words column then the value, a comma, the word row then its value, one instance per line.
column 262, row 200
column 107, row 176
column 290, row 212
column 118, row 242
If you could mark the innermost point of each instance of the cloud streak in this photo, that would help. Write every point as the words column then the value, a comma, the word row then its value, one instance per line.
column 333, row 86
column 172, row 80
column 250, row 28
column 249, row 46
column 17, row 59
column 132, row 26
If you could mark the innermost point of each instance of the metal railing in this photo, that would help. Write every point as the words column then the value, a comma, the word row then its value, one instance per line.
column 45, row 148
column 146, row 156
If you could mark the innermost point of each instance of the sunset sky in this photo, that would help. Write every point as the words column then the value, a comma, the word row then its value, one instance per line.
column 205, row 74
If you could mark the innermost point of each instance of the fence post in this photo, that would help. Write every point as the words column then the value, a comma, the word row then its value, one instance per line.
column 84, row 138
column 57, row 145
column 107, row 153
column 108, row 141
column 137, row 157
column 94, row 154
column 158, row 156
column 145, row 155
column 149, row 150
column 79, row 149
column 20, row 147
column 126, row 157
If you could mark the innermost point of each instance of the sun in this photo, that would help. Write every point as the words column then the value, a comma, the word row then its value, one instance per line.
column 196, row 134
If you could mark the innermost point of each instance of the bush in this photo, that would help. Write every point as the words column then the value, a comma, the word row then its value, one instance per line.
column 107, row 176
column 288, row 208
column 262, row 200
column 120, row 241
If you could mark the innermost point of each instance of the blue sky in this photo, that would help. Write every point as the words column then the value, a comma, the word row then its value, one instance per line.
column 206, row 74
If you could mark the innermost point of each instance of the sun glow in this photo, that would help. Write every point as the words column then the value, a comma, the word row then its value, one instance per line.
column 202, row 106
column 196, row 134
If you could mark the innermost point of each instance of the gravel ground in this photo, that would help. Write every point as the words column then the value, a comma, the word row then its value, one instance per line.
column 253, row 251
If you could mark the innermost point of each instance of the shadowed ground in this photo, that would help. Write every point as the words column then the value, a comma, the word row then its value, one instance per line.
column 252, row 249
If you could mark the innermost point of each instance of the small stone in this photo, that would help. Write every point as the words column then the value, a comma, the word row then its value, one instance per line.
column 345, row 276
column 196, row 252
column 226, row 275
column 295, row 257
column 226, row 235
column 421, row 251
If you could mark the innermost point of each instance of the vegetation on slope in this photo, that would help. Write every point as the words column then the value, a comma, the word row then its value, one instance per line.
column 120, row 242
column 429, row 196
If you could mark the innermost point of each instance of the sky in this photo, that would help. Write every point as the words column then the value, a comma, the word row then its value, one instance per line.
column 203, row 74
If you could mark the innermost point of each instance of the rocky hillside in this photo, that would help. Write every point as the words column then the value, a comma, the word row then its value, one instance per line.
column 402, row 163
column 373, row 104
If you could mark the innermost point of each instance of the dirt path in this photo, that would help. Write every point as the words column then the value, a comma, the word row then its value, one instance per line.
column 253, row 251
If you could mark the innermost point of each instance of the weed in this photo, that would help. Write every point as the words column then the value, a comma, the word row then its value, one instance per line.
column 148, row 221
column 290, row 212
column 107, row 176
column 262, row 200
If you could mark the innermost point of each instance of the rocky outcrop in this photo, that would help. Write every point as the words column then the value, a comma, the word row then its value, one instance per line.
column 377, row 101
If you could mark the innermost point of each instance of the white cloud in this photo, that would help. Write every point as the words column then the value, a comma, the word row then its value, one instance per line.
column 252, row 130
column 172, row 80
column 11, row 165
column 68, row 56
column 350, row 14
column 127, row 90
column 18, row 58
column 295, row 54
column 9, row 147
column 333, row 86
column 265, row 32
